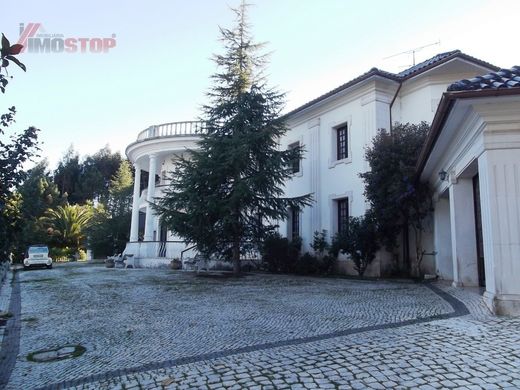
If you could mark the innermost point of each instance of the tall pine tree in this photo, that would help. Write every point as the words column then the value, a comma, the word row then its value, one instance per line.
column 226, row 195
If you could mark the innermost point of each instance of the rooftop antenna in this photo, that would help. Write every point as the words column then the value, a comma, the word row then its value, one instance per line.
column 413, row 51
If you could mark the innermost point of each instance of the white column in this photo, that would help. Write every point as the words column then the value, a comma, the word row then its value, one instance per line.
column 150, row 217
column 499, row 174
column 463, row 233
column 442, row 239
column 134, row 227
column 314, row 154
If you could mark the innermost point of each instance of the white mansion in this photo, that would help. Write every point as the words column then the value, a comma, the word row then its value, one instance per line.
column 474, row 143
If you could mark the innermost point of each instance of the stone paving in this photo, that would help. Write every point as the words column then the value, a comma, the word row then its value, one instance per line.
column 148, row 329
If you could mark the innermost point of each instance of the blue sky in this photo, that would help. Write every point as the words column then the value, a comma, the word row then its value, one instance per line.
column 159, row 70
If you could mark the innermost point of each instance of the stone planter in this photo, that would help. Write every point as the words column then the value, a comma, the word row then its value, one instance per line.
column 176, row 264
column 109, row 263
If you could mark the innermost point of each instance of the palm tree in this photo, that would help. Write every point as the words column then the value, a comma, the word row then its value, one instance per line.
column 68, row 224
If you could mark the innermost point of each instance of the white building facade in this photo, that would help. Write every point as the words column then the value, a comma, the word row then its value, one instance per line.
column 472, row 161
column 334, row 130
column 153, row 155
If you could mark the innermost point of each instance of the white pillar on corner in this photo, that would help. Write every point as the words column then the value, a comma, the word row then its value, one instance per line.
column 442, row 239
column 463, row 233
column 499, row 174
column 315, row 177
column 150, row 216
column 134, row 227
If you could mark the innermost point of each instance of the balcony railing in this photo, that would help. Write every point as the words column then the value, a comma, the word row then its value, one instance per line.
column 174, row 129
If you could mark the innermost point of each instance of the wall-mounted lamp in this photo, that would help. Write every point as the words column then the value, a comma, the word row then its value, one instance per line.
column 443, row 175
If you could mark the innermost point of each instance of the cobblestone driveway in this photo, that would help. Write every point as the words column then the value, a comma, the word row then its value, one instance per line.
column 155, row 329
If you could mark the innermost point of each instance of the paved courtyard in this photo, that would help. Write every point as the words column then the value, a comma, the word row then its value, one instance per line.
column 154, row 329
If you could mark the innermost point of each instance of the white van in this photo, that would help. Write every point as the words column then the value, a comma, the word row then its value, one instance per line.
column 37, row 255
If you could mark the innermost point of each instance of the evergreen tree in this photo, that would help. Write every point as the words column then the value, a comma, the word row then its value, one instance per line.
column 226, row 195
column 67, row 176
column 38, row 193
column 120, row 190
column 97, row 172
column 397, row 201
column 86, row 179
column 15, row 150
column 109, row 231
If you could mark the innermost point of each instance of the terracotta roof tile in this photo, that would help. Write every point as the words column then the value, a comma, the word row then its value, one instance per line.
column 398, row 77
column 504, row 78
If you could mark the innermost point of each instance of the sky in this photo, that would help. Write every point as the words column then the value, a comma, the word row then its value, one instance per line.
column 160, row 67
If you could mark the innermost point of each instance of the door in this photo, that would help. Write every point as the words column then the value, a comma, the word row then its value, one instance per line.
column 478, row 229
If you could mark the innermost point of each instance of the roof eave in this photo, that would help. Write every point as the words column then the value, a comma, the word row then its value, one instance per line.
column 443, row 112
column 460, row 55
column 325, row 97
column 389, row 76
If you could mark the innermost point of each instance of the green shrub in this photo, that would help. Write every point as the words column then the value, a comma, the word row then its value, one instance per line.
column 279, row 254
column 308, row 265
column 324, row 252
column 319, row 243
column 82, row 255
column 327, row 264
column 359, row 241
column 61, row 254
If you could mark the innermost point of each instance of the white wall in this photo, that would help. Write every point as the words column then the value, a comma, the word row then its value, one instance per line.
column 482, row 135
column 442, row 239
column 366, row 109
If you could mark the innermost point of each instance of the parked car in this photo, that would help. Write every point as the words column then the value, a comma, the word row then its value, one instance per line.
column 37, row 255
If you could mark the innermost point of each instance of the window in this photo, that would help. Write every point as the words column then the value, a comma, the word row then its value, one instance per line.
column 295, row 162
column 341, row 143
column 295, row 223
column 342, row 205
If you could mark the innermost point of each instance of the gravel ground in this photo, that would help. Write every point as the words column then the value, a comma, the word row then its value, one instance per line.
column 162, row 328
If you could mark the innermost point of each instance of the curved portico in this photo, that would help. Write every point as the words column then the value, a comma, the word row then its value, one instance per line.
column 153, row 154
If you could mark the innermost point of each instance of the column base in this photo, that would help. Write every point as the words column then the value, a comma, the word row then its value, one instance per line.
column 503, row 304
column 456, row 284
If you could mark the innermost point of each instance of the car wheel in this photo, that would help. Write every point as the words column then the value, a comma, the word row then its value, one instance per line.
column 49, row 266
column 25, row 268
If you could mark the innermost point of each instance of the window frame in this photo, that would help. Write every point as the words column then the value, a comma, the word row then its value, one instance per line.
column 333, row 139
column 342, row 214
column 294, row 223
column 295, row 163
column 342, row 144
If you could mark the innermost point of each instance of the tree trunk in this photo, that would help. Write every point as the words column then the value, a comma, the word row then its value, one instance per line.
column 236, row 256
column 406, row 248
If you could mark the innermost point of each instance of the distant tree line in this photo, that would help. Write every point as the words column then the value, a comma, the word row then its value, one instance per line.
column 84, row 202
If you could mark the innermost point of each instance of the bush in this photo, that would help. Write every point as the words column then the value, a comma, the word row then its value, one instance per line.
column 279, row 254
column 327, row 264
column 308, row 265
column 319, row 243
column 323, row 251
column 359, row 241
column 61, row 254
column 82, row 255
